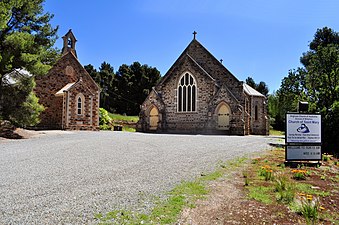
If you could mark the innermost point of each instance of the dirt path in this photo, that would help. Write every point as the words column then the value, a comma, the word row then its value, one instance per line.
column 227, row 202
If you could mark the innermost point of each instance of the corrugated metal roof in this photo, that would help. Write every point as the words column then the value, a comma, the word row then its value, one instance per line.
column 251, row 91
column 14, row 76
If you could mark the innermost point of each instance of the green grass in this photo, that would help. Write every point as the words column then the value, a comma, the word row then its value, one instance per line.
column 164, row 212
column 118, row 117
column 128, row 129
column 307, row 189
column 261, row 194
column 277, row 132
column 168, row 210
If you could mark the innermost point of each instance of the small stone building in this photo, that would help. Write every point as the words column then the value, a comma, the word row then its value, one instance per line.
column 199, row 95
column 68, row 93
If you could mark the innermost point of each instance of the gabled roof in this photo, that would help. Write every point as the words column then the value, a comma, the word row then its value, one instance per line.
column 251, row 91
column 70, row 34
column 205, row 61
column 65, row 88
column 84, row 71
column 223, row 89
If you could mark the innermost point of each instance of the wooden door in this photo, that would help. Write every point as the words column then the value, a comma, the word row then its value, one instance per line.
column 223, row 118
column 154, row 118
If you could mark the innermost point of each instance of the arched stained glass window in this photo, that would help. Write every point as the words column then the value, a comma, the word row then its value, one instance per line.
column 187, row 90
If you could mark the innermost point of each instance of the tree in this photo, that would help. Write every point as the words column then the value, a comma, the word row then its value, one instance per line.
column 261, row 87
column 318, row 83
column 125, row 90
column 286, row 99
column 105, row 78
column 134, row 84
column 322, row 82
column 26, row 41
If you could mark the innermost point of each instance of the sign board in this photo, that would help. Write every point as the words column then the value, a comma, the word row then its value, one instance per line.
column 298, row 152
column 303, row 128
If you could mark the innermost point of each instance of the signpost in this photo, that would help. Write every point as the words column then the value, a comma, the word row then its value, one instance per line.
column 303, row 136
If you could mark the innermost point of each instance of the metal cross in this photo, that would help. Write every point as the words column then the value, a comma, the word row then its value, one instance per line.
column 194, row 34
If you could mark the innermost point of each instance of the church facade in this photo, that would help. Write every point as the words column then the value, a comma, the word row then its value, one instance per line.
column 199, row 95
column 68, row 93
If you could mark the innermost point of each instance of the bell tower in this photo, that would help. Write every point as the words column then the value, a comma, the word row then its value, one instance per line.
column 69, row 43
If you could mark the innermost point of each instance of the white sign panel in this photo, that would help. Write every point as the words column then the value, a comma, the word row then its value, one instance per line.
column 303, row 152
column 303, row 128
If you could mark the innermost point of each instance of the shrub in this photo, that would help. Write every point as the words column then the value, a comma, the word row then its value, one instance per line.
column 285, row 193
column 308, row 206
column 299, row 174
column 104, row 120
column 266, row 172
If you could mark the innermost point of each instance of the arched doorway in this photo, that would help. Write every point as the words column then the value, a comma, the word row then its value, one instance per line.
column 153, row 118
column 223, row 117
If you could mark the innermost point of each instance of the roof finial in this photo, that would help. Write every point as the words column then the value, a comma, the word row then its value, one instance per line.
column 194, row 34
column 221, row 60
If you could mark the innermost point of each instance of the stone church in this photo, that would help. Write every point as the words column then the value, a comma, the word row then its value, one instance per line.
column 68, row 93
column 199, row 94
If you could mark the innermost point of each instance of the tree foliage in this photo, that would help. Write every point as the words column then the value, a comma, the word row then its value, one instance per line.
column 26, row 41
column 316, row 82
column 260, row 87
column 124, row 91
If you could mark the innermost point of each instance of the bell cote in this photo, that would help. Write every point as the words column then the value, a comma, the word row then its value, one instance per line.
column 69, row 43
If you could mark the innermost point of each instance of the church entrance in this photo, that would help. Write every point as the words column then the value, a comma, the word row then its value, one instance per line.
column 223, row 117
column 153, row 118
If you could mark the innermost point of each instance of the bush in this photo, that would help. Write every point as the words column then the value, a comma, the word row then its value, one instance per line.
column 104, row 120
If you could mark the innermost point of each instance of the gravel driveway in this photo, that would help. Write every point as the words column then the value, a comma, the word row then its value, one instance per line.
column 68, row 177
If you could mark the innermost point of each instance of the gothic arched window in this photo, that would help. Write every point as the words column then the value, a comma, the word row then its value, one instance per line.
column 80, row 104
column 187, row 92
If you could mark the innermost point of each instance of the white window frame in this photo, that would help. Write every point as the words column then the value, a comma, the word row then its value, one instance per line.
column 82, row 102
column 187, row 86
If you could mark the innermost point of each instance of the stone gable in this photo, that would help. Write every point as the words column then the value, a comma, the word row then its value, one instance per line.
column 221, row 104
column 57, row 92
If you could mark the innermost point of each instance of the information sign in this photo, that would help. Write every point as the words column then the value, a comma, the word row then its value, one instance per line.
column 301, row 152
column 303, row 128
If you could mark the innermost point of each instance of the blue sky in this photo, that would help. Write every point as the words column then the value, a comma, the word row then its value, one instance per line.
column 257, row 38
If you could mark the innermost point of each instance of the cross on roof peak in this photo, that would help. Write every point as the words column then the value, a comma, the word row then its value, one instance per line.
column 194, row 34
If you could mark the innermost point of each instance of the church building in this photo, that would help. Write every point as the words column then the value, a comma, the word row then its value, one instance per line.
column 199, row 94
column 68, row 93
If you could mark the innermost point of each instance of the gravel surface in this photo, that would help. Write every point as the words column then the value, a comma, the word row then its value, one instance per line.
column 67, row 177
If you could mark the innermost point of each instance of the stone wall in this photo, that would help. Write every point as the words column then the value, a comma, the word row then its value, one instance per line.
column 215, row 86
column 66, row 70
column 88, row 120
column 258, row 123
column 186, row 121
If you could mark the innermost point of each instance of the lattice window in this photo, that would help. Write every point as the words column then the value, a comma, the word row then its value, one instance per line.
column 187, row 92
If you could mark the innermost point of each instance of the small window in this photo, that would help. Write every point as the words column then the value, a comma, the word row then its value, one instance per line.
column 256, row 112
column 79, row 108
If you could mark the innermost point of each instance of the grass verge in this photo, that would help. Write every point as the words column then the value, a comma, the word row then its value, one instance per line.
column 118, row 117
column 310, row 197
column 167, row 211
